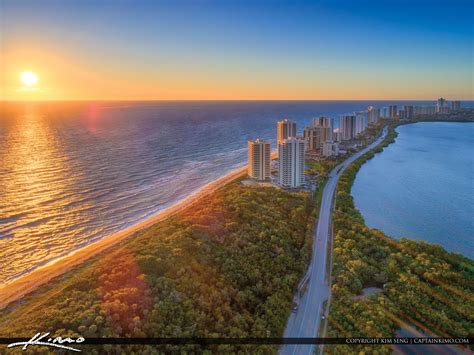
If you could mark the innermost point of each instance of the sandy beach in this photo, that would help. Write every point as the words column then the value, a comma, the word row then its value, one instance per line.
column 26, row 284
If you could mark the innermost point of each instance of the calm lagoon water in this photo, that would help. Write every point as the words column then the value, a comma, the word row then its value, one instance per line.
column 73, row 173
column 422, row 186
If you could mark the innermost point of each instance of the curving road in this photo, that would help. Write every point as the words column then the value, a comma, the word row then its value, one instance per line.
column 304, row 323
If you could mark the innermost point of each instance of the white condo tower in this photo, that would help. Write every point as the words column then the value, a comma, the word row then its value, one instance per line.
column 291, row 162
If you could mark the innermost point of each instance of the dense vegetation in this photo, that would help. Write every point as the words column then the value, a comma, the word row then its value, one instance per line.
column 225, row 267
column 422, row 283
column 321, row 168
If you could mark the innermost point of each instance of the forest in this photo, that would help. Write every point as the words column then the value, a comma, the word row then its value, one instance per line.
column 225, row 267
column 421, row 284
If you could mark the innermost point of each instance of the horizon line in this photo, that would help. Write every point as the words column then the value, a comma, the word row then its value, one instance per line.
column 223, row 100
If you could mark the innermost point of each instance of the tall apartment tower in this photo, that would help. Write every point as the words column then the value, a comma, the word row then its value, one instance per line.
column 455, row 105
column 440, row 104
column 259, row 159
column 362, row 121
column 392, row 111
column 316, row 136
column 291, row 162
column 336, row 135
column 424, row 110
column 374, row 115
column 285, row 129
column 409, row 111
column 347, row 126
column 322, row 121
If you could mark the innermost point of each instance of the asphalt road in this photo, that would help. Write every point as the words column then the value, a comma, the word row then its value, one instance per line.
column 305, row 322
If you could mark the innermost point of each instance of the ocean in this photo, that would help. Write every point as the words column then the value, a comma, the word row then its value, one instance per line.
column 422, row 186
column 73, row 173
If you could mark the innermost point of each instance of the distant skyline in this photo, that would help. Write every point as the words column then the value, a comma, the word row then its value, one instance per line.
column 236, row 50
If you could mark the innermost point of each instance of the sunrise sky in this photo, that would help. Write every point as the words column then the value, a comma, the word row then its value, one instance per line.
column 162, row 50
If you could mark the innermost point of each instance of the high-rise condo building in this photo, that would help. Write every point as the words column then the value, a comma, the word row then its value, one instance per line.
column 424, row 110
column 259, row 159
column 401, row 114
column 347, row 126
column 455, row 105
column 374, row 115
column 316, row 136
column 313, row 138
column 322, row 121
column 444, row 109
column 392, row 111
column 358, row 125
column 440, row 104
column 285, row 129
column 330, row 149
column 409, row 112
column 291, row 161
column 362, row 121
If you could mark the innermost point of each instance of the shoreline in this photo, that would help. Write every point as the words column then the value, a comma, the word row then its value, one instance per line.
column 421, row 238
column 26, row 284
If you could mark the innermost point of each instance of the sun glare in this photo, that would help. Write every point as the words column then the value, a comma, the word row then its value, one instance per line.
column 29, row 78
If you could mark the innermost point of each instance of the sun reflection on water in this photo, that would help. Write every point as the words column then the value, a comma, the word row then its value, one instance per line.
column 34, row 197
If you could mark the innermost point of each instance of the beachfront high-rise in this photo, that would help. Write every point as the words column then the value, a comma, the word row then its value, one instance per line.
column 440, row 104
column 285, row 129
column 316, row 136
column 361, row 122
column 347, row 126
column 322, row 121
column 402, row 114
column 409, row 112
column 392, row 111
column 291, row 162
column 424, row 110
column 455, row 105
column 374, row 115
column 259, row 159
column 330, row 149
column 336, row 135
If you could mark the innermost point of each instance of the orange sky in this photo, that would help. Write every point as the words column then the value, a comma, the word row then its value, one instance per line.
column 208, row 51
column 62, row 77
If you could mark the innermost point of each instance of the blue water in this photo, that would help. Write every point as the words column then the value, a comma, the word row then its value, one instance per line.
column 422, row 186
column 73, row 173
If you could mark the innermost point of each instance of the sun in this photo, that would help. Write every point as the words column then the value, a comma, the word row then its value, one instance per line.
column 28, row 78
